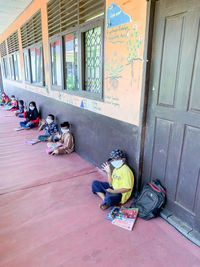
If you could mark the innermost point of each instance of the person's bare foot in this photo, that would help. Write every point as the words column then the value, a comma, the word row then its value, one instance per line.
column 104, row 206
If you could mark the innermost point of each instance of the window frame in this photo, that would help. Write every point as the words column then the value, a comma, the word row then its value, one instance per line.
column 29, row 65
column 70, row 31
column 6, row 73
column 86, row 27
column 12, row 70
column 53, row 40
column 35, row 46
column 80, row 30
column 11, row 59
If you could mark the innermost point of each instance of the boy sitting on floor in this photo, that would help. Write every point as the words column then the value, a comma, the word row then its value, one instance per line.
column 65, row 141
column 20, row 112
column 50, row 129
column 13, row 105
column 120, row 183
column 4, row 99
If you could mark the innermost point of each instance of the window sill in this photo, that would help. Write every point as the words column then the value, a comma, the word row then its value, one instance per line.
column 85, row 94
column 12, row 80
column 35, row 84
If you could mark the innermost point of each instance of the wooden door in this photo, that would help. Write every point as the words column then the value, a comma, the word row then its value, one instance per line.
column 172, row 143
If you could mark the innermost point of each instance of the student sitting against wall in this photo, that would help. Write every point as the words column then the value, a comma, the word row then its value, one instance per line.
column 50, row 129
column 65, row 141
column 4, row 98
column 20, row 112
column 32, row 117
column 120, row 183
column 13, row 105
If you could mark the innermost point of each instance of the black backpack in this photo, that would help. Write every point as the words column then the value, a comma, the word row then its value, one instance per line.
column 150, row 200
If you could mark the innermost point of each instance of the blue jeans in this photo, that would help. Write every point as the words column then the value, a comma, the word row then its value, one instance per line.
column 110, row 199
column 44, row 137
column 26, row 124
column 21, row 116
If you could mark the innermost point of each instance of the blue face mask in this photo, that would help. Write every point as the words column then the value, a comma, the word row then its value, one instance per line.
column 49, row 121
column 64, row 130
column 117, row 163
column 31, row 108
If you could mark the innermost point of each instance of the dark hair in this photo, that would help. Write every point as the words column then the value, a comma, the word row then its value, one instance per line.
column 52, row 116
column 12, row 96
column 33, row 103
column 21, row 102
column 65, row 124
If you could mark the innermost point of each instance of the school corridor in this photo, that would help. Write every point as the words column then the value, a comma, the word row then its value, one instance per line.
column 49, row 217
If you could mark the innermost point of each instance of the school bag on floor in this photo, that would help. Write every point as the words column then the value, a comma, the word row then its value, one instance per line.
column 150, row 200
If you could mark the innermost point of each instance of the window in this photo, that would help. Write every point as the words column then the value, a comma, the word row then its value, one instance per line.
column 56, row 72
column 4, row 59
column 5, row 67
column 27, row 70
column 15, row 66
column 92, row 60
column 12, row 67
column 80, row 56
column 36, row 65
column 14, row 58
column 31, row 35
column 33, row 65
column 71, row 61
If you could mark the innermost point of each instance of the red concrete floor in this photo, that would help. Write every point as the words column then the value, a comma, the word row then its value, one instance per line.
column 50, row 218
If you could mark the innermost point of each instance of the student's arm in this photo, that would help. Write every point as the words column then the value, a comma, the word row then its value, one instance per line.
column 127, row 185
column 106, row 168
column 121, row 190
column 25, row 112
column 55, row 131
column 42, row 125
column 36, row 121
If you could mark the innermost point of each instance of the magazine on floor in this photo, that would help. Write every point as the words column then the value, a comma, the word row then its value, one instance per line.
column 33, row 141
column 123, row 217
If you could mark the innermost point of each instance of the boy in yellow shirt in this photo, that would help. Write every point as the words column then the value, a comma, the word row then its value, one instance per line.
column 120, row 183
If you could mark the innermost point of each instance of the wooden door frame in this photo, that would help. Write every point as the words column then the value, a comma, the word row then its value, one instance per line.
column 145, row 89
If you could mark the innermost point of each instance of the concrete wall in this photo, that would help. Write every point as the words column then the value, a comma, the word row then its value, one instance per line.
column 95, row 135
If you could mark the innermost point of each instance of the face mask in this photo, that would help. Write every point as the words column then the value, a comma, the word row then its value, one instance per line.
column 12, row 99
column 49, row 121
column 64, row 130
column 117, row 163
column 31, row 108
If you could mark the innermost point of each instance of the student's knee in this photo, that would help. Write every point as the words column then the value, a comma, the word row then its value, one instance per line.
column 95, row 186
column 113, row 199
column 39, row 137
column 55, row 138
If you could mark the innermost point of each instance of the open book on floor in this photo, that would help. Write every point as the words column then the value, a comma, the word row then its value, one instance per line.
column 53, row 145
column 123, row 217
column 32, row 142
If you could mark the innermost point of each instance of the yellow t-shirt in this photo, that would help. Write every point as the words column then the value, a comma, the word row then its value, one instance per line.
column 123, row 178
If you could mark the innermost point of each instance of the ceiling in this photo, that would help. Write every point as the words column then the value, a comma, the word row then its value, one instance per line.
column 10, row 10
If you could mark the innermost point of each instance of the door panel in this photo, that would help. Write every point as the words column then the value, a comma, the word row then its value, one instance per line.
column 172, row 142
column 170, row 57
